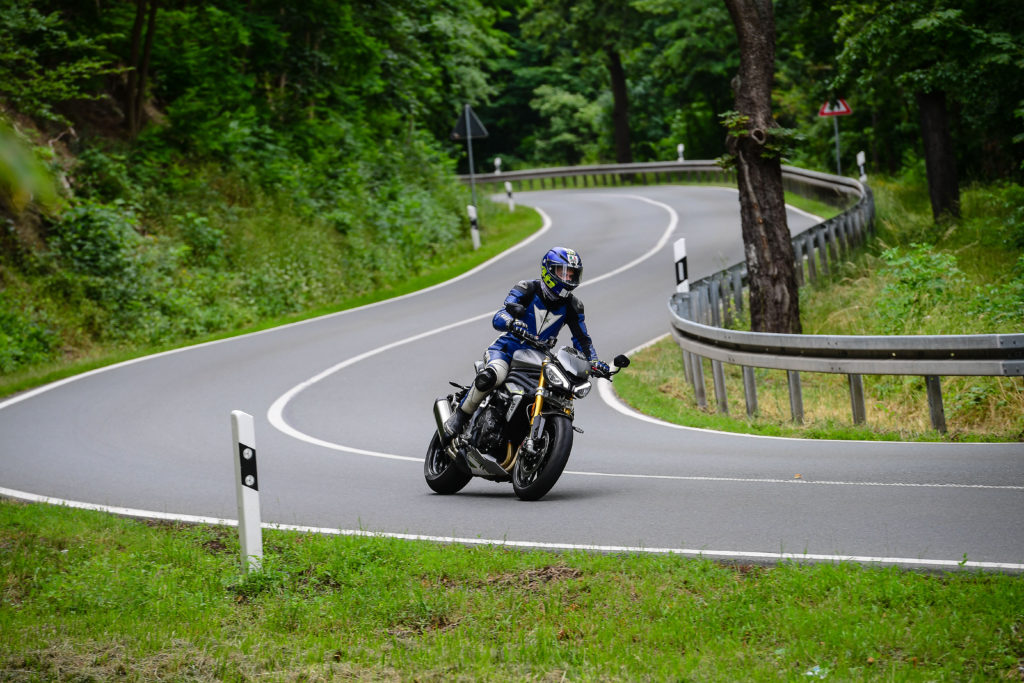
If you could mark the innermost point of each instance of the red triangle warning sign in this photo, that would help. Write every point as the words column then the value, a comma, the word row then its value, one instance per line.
column 836, row 108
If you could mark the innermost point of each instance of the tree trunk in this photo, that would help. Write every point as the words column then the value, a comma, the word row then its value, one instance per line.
column 939, row 158
column 135, row 97
column 620, row 108
column 133, row 72
column 774, row 299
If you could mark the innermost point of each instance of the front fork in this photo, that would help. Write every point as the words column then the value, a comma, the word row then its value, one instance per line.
column 536, row 419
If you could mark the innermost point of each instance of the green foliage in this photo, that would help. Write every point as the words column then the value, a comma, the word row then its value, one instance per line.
column 968, row 49
column 96, row 239
column 23, row 340
column 572, row 126
column 24, row 179
column 205, row 242
column 104, row 176
column 918, row 280
column 42, row 64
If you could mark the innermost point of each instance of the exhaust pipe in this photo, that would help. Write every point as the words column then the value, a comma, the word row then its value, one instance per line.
column 442, row 411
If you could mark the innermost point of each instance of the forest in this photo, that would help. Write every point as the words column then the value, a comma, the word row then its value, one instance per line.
column 173, row 169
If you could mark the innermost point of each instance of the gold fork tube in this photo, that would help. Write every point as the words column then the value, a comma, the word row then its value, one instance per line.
column 538, row 402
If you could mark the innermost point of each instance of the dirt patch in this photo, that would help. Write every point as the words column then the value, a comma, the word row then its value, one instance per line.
column 534, row 578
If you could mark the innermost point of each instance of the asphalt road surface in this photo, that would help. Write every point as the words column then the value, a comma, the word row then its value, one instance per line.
column 342, row 408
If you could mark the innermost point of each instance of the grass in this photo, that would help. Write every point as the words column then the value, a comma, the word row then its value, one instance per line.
column 89, row 596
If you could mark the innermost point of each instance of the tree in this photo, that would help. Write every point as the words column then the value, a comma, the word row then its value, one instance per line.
column 754, row 147
column 692, row 58
column 603, row 29
column 143, row 31
column 958, row 61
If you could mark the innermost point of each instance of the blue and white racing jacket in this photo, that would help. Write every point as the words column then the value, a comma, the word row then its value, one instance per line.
column 543, row 318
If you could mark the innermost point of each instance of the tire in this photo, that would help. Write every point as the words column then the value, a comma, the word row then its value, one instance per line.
column 534, row 485
column 443, row 474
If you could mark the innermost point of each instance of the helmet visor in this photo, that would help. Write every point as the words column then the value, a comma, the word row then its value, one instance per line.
column 567, row 274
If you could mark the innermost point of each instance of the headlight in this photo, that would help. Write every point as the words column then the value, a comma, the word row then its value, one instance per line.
column 555, row 377
column 582, row 390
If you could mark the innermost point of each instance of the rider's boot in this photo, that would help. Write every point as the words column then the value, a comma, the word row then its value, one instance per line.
column 453, row 425
column 482, row 384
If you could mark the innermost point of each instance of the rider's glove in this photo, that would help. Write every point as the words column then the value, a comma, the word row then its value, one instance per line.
column 600, row 367
column 517, row 328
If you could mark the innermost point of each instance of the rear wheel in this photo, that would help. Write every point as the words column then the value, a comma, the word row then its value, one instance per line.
column 443, row 474
column 533, row 477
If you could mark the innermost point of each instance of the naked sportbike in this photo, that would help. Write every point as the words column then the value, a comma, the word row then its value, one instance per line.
column 523, row 431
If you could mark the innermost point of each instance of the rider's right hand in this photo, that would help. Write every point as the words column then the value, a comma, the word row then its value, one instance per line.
column 517, row 328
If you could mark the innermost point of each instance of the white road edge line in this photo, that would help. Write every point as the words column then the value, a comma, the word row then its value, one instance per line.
column 539, row 545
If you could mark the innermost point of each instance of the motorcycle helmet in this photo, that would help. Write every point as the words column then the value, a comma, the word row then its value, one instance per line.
column 561, row 271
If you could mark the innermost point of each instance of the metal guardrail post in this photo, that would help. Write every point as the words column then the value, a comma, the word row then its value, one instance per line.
column 718, row 375
column 798, row 260
column 857, row 399
column 796, row 396
column 697, row 365
column 737, row 288
column 812, row 268
column 750, row 390
column 937, row 412
column 823, row 250
column 715, row 300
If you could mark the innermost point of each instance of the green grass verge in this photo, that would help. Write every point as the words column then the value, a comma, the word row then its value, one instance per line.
column 89, row 596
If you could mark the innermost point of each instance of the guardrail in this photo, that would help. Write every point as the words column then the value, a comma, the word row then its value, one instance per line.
column 834, row 190
column 930, row 356
column 697, row 316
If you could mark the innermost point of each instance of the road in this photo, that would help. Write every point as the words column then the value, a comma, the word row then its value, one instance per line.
column 342, row 408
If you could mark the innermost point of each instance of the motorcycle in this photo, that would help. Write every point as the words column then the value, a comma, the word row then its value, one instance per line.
column 522, row 431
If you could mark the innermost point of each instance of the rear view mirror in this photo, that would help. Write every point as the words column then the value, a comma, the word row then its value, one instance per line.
column 621, row 361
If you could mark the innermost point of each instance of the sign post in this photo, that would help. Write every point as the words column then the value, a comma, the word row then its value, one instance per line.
column 835, row 110
column 468, row 127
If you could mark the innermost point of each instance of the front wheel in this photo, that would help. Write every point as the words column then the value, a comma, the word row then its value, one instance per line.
column 443, row 474
column 534, row 476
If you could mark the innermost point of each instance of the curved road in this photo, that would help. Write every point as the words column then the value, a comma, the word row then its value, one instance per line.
column 342, row 408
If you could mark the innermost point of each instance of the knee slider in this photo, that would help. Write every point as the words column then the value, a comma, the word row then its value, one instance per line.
column 486, row 380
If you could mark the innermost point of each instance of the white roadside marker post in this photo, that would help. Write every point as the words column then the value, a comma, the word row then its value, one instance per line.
column 250, row 533
column 511, row 201
column 682, row 277
column 474, row 226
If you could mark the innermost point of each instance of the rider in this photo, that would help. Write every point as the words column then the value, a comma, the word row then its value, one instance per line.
column 549, row 304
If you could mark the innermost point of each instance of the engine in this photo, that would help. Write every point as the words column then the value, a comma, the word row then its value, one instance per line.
column 487, row 430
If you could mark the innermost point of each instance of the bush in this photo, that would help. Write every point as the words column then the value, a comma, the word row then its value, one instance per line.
column 95, row 239
column 918, row 280
column 23, row 341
